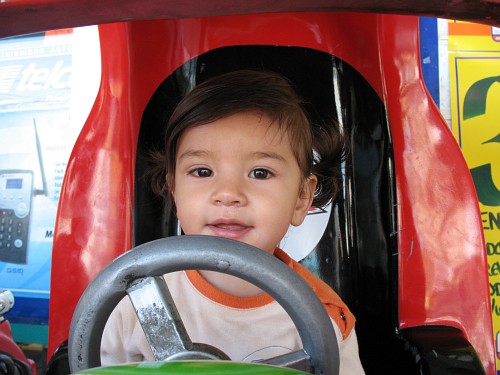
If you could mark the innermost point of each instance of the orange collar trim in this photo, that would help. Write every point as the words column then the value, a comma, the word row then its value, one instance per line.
column 223, row 298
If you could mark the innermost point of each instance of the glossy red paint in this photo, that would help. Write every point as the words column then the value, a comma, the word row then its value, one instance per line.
column 443, row 278
column 28, row 16
column 7, row 345
column 442, row 274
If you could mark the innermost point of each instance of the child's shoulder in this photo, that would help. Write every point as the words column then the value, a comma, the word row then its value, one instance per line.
column 336, row 308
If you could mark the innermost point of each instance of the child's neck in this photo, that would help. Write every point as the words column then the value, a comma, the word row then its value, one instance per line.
column 231, row 284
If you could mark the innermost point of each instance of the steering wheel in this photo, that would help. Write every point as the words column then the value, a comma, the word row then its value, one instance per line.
column 138, row 274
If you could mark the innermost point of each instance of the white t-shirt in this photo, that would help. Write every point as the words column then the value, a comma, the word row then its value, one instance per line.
column 245, row 328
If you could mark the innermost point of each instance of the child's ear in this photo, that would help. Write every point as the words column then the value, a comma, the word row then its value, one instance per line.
column 169, row 181
column 304, row 200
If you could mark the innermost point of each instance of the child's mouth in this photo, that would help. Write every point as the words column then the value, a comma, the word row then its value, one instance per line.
column 229, row 230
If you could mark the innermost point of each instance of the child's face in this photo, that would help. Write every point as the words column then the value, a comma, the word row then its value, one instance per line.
column 238, row 178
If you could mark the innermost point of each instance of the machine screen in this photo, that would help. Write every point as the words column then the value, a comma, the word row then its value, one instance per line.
column 14, row 183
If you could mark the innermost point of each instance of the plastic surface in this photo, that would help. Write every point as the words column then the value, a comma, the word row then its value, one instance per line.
column 27, row 16
column 12, row 353
column 184, row 368
column 206, row 253
column 442, row 262
column 359, row 264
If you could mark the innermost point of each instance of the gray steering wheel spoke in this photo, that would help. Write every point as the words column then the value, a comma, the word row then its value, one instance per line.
column 162, row 324
column 159, row 318
column 297, row 360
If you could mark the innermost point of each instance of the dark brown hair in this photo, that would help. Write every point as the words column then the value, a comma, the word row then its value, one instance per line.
column 319, row 149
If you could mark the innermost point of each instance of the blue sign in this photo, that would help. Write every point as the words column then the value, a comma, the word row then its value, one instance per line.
column 35, row 142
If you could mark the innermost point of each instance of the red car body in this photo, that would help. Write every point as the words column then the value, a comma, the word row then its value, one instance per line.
column 442, row 278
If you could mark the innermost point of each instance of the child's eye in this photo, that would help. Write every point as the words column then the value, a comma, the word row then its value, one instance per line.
column 260, row 174
column 201, row 172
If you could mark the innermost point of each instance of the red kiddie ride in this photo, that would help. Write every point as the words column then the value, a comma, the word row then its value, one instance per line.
column 12, row 358
column 404, row 244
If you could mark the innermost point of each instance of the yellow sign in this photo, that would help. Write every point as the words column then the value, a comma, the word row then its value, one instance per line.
column 475, row 99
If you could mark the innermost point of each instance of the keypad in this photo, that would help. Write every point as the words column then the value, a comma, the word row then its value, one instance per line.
column 13, row 237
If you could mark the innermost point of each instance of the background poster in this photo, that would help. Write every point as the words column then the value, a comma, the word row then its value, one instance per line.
column 474, row 58
column 41, row 115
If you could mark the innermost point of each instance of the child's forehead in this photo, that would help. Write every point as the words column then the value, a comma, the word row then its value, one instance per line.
column 241, row 129
column 243, row 122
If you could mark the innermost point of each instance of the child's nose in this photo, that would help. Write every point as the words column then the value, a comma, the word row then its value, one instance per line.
column 229, row 192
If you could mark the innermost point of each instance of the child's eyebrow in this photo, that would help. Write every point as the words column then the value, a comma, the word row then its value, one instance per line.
column 194, row 154
column 253, row 155
column 268, row 155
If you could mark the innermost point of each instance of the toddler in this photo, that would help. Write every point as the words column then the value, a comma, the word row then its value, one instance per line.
column 243, row 162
